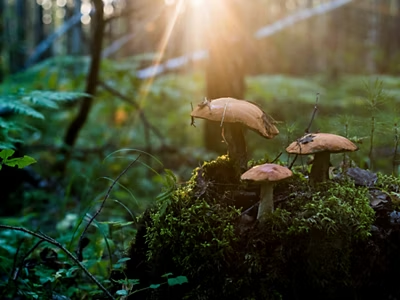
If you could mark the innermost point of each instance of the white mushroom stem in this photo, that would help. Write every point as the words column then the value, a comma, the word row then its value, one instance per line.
column 266, row 200
column 320, row 168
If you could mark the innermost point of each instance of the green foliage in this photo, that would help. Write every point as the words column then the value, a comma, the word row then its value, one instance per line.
column 338, row 209
column 312, row 234
column 171, row 281
column 20, row 162
column 15, row 107
column 193, row 230
column 391, row 186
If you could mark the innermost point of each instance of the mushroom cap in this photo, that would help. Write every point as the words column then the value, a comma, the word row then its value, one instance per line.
column 267, row 172
column 313, row 143
column 230, row 110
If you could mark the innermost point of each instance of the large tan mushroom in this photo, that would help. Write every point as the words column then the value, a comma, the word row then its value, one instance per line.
column 266, row 175
column 321, row 145
column 232, row 114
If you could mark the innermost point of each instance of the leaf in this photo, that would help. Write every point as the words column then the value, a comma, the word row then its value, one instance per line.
column 123, row 260
column 20, row 162
column 49, row 98
column 71, row 271
column 154, row 286
column 167, row 275
column 177, row 280
column 122, row 293
column 6, row 153
column 20, row 108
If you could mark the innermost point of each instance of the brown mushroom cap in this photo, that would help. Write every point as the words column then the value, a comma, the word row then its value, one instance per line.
column 267, row 172
column 321, row 142
column 232, row 110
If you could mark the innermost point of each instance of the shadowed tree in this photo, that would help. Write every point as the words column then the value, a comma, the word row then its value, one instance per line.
column 91, row 83
column 225, row 66
column 39, row 33
column 2, row 6
column 17, row 50
column 75, row 36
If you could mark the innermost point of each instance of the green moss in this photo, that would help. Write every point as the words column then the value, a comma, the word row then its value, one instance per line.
column 307, row 243
column 337, row 208
column 194, row 231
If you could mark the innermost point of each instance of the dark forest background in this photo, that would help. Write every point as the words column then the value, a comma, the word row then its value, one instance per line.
column 89, row 86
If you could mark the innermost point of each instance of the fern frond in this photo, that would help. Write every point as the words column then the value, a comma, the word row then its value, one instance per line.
column 6, row 145
column 12, row 104
column 49, row 99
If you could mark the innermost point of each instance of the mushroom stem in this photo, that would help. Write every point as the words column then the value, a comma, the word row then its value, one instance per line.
column 266, row 200
column 320, row 168
column 237, row 150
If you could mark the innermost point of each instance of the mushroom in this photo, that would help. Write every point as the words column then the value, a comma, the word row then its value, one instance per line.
column 266, row 175
column 321, row 145
column 232, row 114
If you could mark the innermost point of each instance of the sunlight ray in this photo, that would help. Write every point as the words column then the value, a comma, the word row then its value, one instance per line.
column 145, row 88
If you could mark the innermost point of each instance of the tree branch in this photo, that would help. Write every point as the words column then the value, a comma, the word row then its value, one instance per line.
column 80, row 247
column 142, row 116
column 52, row 241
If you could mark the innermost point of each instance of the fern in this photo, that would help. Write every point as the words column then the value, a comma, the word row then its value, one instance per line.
column 10, row 105
column 51, row 99
column 27, row 104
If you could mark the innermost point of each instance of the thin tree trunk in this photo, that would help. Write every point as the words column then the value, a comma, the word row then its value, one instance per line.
column 91, row 82
column 17, row 51
column 373, row 37
column 2, row 15
column 76, row 33
column 225, row 67
column 39, row 33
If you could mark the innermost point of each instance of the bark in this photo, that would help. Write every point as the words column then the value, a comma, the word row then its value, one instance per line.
column 17, row 50
column 91, row 83
column 76, row 33
column 2, row 16
column 225, row 67
column 39, row 36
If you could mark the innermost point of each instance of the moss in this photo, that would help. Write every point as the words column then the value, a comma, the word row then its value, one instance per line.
column 308, row 247
column 391, row 186
column 194, row 230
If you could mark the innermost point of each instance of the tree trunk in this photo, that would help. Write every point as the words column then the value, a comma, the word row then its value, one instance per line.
column 91, row 82
column 17, row 50
column 39, row 32
column 2, row 36
column 225, row 67
column 76, row 33
column 373, row 36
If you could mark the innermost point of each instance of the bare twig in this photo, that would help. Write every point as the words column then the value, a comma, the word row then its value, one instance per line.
column 276, row 158
column 17, row 270
column 54, row 242
column 313, row 114
column 294, row 160
column 101, row 206
column 142, row 116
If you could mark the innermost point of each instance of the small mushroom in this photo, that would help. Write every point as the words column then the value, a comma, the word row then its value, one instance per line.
column 321, row 145
column 231, row 114
column 266, row 175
